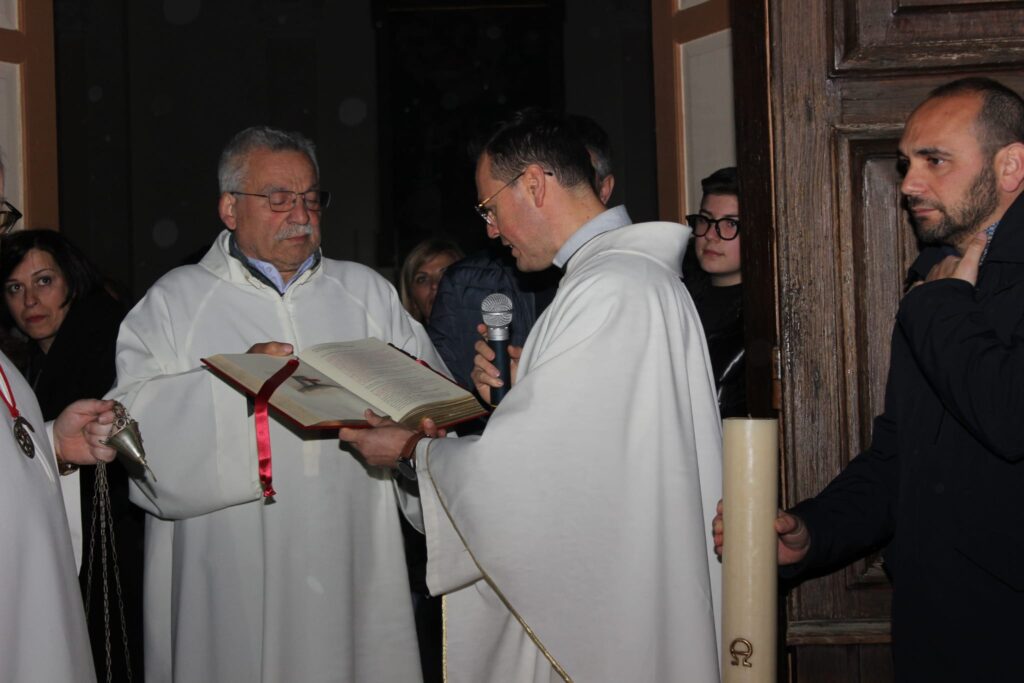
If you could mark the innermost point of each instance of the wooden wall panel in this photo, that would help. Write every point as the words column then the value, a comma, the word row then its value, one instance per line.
column 841, row 664
column 900, row 35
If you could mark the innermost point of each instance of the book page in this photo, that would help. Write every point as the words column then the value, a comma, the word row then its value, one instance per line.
column 309, row 397
column 383, row 375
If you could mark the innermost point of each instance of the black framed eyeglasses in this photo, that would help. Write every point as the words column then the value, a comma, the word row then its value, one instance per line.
column 486, row 212
column 727, row 228
column 8, row 216
column 282, row 201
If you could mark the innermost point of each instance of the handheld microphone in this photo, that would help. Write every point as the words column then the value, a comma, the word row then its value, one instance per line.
column 496, row 310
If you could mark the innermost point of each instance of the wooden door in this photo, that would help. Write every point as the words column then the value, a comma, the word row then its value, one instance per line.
column 28, row 110
column 693, row 99
column 822, row 89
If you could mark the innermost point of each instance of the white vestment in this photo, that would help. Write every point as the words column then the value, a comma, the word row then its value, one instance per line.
column 43, row 636
column 312, row 587
column 572, row 538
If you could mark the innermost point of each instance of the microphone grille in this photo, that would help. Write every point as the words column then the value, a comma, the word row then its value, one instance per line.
column 496, row 310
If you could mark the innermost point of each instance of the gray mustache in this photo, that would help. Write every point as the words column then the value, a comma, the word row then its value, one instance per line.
column 294, row 231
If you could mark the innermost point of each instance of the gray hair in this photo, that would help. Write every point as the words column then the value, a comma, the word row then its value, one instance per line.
column 233, row 167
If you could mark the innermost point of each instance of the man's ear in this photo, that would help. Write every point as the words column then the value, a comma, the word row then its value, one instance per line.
column 1009, row 167
column 605, row 188
column 226, row 209
column 535, row 182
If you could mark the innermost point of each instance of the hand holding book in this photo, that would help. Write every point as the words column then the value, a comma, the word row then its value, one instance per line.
column 272, row 348
column 336, row 383
column 382, row 444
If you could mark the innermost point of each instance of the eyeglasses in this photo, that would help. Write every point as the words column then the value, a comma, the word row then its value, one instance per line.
column 485, row 211
column 8, row 217
column 727, row 228
column 282, row 201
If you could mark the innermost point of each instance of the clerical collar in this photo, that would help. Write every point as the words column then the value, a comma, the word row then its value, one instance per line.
column 267, row 273
column 603, row 222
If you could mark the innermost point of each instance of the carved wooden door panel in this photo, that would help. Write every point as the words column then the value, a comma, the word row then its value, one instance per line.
column 822, row 90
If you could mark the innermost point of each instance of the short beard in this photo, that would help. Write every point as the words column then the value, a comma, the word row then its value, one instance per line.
column 965, row 219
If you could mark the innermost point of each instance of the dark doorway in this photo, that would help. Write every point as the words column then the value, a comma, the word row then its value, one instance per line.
column 446, row 75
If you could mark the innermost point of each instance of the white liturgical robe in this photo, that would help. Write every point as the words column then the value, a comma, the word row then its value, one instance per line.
column 310, row 587
column 43, row 636
column 572, row 538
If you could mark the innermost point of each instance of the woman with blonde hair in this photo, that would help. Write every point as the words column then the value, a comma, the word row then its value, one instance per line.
column 422, row 271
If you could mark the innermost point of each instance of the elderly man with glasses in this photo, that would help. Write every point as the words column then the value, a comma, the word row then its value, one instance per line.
column 569, row 538
column 307, row 585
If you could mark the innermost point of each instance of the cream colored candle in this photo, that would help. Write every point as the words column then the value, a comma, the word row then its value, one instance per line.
column 749, row 556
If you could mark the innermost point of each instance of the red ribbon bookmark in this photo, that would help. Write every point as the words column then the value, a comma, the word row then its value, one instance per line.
column 263, row 425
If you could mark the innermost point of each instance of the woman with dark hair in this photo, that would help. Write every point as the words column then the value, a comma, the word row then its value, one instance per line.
column 717, row 289
column 55, row 297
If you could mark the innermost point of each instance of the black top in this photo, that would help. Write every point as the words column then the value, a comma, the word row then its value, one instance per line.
column 464, row 285
column 80, row 364
column 721, row 315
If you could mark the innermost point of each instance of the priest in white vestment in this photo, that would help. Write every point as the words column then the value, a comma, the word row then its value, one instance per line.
column 570, row 538
column 43, row 636
column 309, row 586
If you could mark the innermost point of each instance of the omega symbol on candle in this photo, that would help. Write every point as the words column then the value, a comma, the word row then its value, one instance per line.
column 741, row 651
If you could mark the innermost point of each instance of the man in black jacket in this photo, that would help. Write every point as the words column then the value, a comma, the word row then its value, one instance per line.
column 943, row 480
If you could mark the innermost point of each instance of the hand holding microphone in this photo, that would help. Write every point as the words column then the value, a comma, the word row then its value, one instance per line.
column 496, row 360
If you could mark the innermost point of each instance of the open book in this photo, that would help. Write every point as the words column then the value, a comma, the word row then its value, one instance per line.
column 336, row 382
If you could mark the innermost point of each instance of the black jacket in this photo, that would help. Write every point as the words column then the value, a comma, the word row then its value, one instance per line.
column 721, row 315
column 465, row 284
column 80, row 364
column 943, row 480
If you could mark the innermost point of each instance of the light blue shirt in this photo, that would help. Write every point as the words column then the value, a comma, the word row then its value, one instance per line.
column 601, row 223
column 268, row 272
column 271, row 273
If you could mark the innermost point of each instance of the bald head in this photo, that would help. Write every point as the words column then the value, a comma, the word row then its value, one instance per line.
column 999, row 120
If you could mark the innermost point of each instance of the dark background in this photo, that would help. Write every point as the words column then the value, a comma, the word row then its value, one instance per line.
column 391, row 91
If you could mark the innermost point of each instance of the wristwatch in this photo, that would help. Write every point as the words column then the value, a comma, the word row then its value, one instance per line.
column 406, row 463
